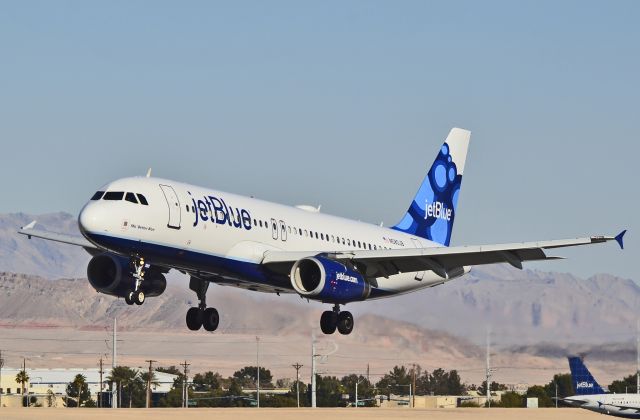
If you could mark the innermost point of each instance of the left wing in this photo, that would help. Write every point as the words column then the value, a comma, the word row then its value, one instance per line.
column 447, row 262
column 57, row 237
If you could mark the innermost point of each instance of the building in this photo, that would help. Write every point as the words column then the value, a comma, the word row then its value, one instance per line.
column 49, row 386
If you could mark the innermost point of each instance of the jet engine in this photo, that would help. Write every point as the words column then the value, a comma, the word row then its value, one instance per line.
column 111, row 274
column 328, row 280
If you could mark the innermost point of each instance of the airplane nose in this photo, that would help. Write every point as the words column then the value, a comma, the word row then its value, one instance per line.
column 90, row 218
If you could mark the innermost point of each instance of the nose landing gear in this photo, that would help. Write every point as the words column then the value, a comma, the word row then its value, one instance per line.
column 201, row 316
column 136, row 295
column 335, row 319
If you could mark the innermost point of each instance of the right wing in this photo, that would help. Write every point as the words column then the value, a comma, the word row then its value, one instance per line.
column 29, row 231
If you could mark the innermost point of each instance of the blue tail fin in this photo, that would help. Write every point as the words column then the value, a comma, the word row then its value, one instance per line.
column 583, row 381
column 433, row 209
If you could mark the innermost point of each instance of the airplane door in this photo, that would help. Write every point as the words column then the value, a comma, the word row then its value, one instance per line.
column 274, row 229
column 283, row 230
column 420, row 274
column 174, row 206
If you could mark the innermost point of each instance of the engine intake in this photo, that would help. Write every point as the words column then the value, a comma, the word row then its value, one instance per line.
column 328, row 280
column 110, row 274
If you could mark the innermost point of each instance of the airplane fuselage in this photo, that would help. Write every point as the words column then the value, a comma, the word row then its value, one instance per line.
column 197, row 229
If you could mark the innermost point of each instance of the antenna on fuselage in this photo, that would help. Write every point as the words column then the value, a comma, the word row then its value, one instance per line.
column 149, row 173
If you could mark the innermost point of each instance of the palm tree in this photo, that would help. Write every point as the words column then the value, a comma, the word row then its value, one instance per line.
column 123, row 376
column 22, row 377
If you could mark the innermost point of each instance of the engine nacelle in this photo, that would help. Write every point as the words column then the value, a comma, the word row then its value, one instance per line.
column 111, row 275
column 328, row 280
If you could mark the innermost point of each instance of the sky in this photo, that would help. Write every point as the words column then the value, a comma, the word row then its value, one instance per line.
column 338, row 103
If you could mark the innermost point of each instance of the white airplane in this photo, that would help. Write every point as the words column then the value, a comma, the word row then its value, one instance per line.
column 591, row 396
column 137, row 229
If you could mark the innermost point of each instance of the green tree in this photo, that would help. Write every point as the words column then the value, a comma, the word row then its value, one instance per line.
column 129, row 385
column 537, row 391
column 626, row 384
column 365, row 389
column 511, row 399
column 495, row 386
column 565, row 386
column 207, row 381
column 22, row 378
column 329, row 391
column 248, row 376
column 78, row 392
column 396, row 381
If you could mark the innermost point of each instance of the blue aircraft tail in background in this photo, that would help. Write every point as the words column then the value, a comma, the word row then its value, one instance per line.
column 583, row 381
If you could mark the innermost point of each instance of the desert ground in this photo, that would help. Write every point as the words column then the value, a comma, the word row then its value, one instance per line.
column 297, row 413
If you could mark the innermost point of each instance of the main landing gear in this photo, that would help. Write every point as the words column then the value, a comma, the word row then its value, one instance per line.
column 330, row 320
column 137, row 270
column 201, row 316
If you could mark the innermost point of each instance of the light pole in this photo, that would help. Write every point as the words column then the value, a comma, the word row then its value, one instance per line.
column 357, row 382
column 258, row 371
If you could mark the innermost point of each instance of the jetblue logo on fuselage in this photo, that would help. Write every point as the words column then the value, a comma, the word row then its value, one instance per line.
column 584, row 384
column 438, row 210
column 216, row 210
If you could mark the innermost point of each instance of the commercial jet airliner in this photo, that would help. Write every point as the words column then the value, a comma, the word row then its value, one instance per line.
column 591, row 396
column 137, row 229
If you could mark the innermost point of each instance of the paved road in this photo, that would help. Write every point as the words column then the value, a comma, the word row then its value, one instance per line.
column 296, row 414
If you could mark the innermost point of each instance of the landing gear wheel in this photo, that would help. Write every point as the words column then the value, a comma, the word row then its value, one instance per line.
column 128, row 298
column 210, row 319
column 345, row 323
column 138, row 297
column 328, row 322
column 194, row 319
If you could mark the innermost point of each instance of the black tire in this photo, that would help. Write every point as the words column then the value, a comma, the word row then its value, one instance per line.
column 128, row 298
column 345, row 323
column 328, row 322
column 194, row 319
column 138, row 297
column 210, row 319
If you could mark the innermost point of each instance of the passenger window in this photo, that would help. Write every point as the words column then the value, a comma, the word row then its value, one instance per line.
column 359, row 244
column 369, row 247
column 322, row 236
column 187, row 207
column 255, row 222
column 326, row 237
column 342, row 241
column 348, row 242
column 113, row 195
column 316, row 235
column 131, row 198
column 375, row 248
column 98, row 195
column 142, row 200
column 260, row 223
column 289, row 229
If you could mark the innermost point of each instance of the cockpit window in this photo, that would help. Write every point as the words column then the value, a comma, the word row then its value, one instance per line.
column 143, row 200
column 98, row 195
column 113, row 195
column 131, row 197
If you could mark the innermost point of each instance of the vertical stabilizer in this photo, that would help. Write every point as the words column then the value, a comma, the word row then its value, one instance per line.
column 582, row 380
column 433, row 209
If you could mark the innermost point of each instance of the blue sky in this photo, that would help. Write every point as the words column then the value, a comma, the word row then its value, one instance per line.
column 339, row 103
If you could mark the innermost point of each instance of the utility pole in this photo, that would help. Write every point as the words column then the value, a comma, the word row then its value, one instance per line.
column 297, row 367
column 100, row 394
column 185, row 390
column 114, row 388
column 313, row 370
column 368, row 380
column 1, row 365
column 24, row 373
column 488, row 373
column 638, row 357
column 148, row 404
column 258, row 371
column 413, row 386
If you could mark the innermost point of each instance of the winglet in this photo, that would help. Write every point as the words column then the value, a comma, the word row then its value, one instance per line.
column 30, row 225
column 619, row 237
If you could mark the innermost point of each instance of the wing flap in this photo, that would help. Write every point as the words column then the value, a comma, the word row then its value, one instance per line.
column 441, row 260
